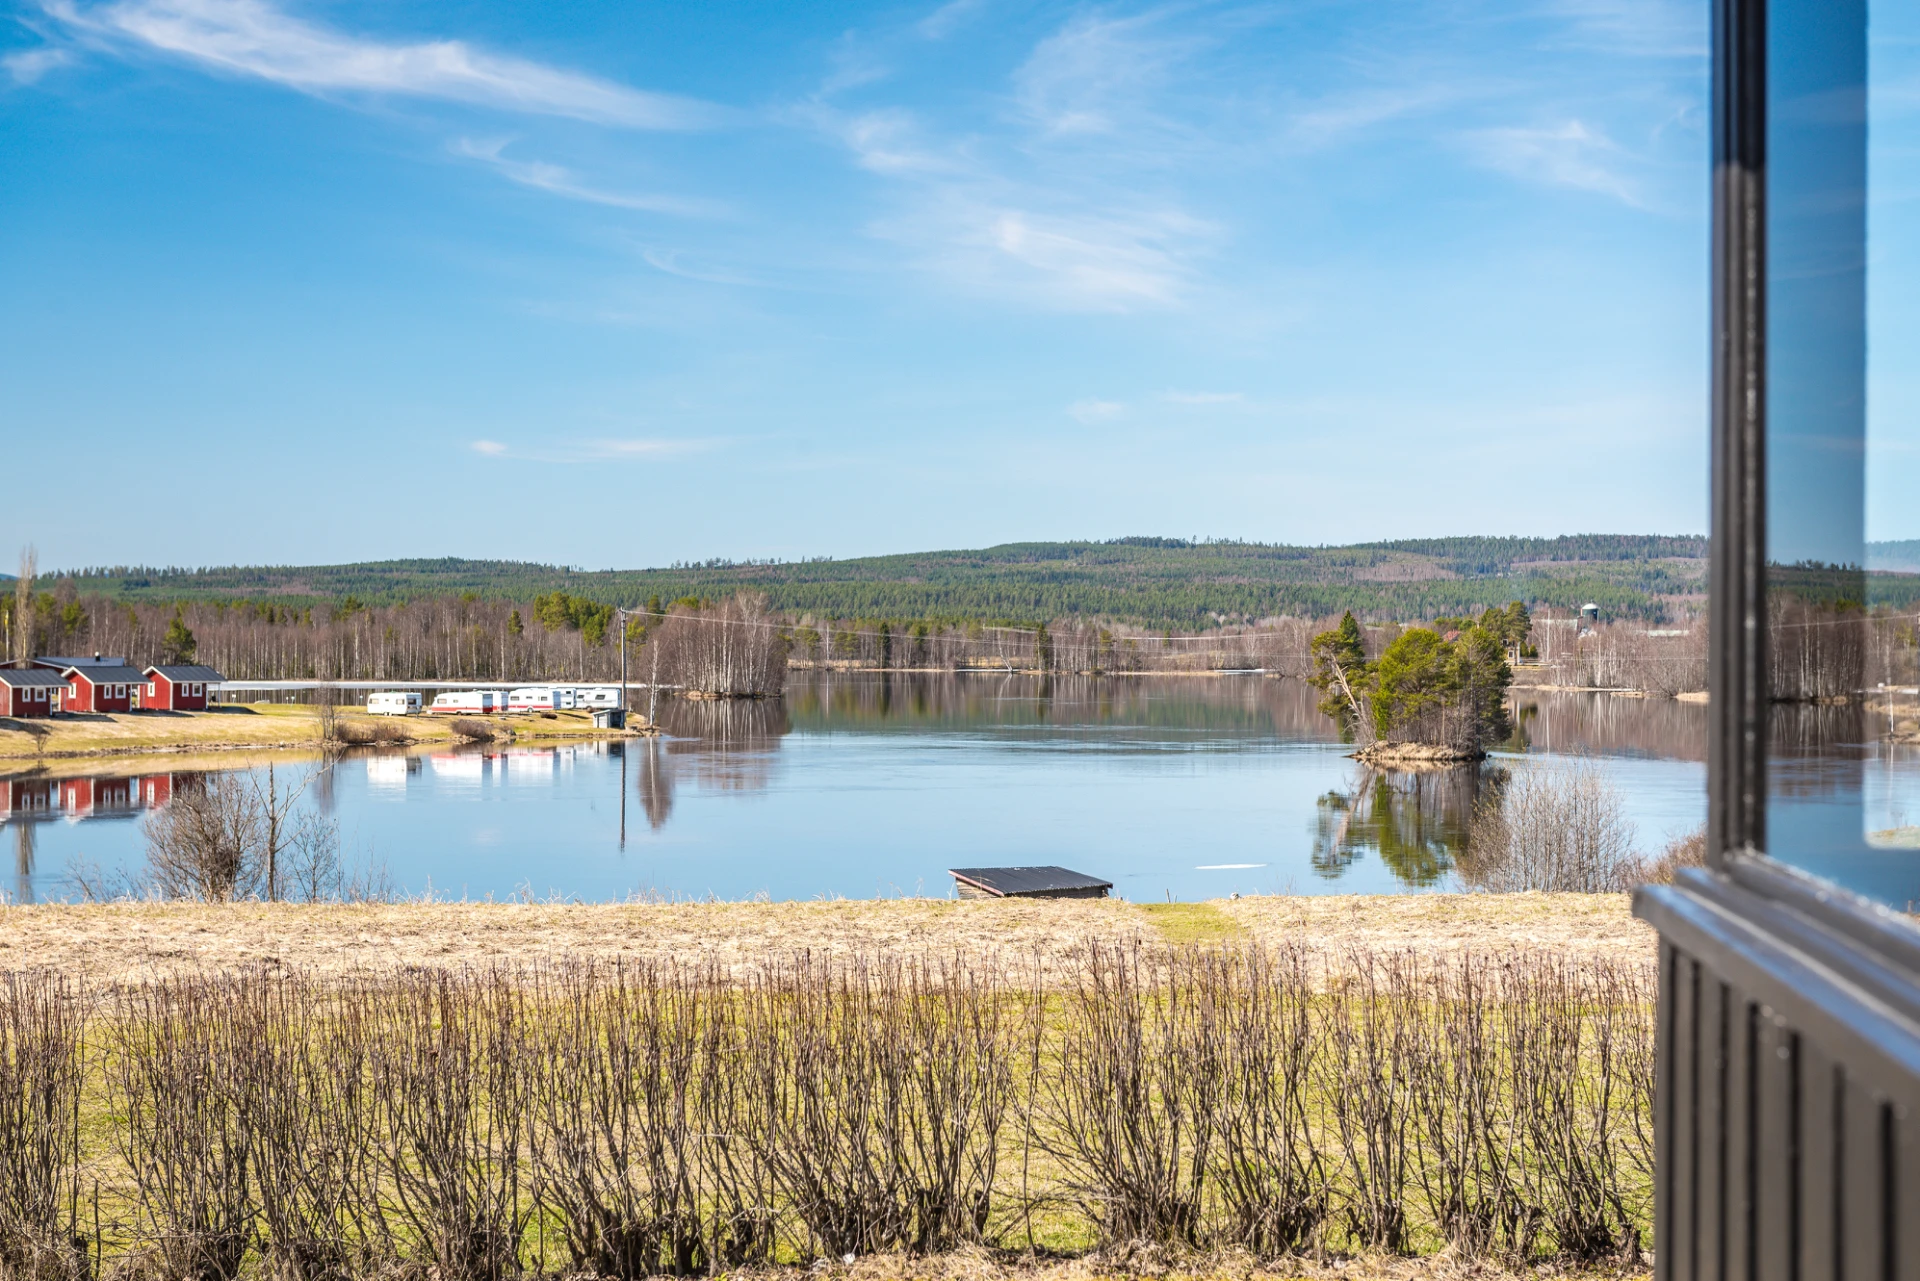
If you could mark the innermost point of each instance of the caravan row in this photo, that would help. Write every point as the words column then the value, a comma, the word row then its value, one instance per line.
column 494, row 702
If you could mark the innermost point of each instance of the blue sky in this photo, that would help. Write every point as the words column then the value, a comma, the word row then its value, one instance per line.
column 623, row 283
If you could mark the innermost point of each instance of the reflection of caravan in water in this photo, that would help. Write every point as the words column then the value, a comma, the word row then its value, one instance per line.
column 468, row 702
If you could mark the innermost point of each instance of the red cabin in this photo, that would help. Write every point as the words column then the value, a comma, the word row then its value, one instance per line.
column 98, row 687
column 31, row 691
column 178, row 688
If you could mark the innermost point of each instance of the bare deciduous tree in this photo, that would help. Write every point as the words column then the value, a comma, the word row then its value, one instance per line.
column 228, row 838
column 1554, row 826
column 23, row 607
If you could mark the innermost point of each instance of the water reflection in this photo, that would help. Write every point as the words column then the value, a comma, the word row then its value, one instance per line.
column 28, row 802
column 1418, row 823
column 864, row 784
column 1126, row 710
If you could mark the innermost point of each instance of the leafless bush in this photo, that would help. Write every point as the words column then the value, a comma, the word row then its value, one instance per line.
column 327, row 717
column 619, row 1146
column 205, row 842
column 733, row 650
column 449, row 1074
column 183, row 1128
column 677, row 1118
column 1372, row 1033
column 1130, row 1111
column 1267, row 1164
column 1553, row 826
column 42, row 1073
column 1688, row 850
column 237, row 835
column 474, row 731
column 304, row 1078
column 886, row 1084
column 369, row 733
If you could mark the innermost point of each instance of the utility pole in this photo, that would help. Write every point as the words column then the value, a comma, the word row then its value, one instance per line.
column 621, row 616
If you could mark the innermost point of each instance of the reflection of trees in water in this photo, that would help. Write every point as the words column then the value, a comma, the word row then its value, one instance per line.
column 23, row 862
column 1608, row 724
column 1418, row 822
column 727, row 744
column 921, row 701
column 655, row 783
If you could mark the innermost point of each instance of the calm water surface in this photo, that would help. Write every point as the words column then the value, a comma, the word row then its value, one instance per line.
column 864, row 786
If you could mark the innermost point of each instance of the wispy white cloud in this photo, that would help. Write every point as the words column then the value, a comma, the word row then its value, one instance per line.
column 254, row 38
column 1341, row 116
column 644, row 448
column 942, row 22
column 1098, row 74
column 1204, row 398
column 888, row 141
column 1565, row 155
column 1094, row 411
column 1647, row 28
column 606, row 449
column 676, row 263
column 1059, row 261
column 561, row 182
column 28, row 65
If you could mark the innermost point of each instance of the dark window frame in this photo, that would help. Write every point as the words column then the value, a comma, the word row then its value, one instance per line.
column 1788, row 1112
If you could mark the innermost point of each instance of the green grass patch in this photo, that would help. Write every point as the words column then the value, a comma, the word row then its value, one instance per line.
column 1193, row 923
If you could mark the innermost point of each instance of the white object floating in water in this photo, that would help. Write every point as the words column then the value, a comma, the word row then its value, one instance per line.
column 1226, row 867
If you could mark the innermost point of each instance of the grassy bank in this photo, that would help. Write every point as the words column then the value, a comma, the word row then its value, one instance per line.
column 129, row 942
column 1139, row 1107
column 254, row 727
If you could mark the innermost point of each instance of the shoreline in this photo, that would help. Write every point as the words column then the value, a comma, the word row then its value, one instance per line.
column 31, row 745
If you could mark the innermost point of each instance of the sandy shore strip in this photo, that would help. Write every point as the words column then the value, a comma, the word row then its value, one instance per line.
column 122, row 943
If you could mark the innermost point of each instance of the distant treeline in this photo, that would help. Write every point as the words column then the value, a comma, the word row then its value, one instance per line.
column 1147, row 582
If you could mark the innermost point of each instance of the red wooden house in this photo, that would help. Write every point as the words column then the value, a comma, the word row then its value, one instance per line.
column 177, row 688
column 100, row 687
column 30, row 691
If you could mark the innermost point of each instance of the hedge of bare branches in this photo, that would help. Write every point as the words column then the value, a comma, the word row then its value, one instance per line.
column 630, row 1119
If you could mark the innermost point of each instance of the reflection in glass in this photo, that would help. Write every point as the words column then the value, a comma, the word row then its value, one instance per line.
column 1831, row 630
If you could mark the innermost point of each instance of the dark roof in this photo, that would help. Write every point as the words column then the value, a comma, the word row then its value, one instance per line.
column 20, row 677
column 100, row 674
column 1028, row 880
column 186, row 672
column 61, row 662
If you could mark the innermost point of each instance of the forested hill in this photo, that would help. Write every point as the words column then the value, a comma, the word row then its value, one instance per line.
column 1155, row 582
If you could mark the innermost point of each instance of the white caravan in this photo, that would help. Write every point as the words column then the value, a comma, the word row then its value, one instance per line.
column 598, row 696
column 469, row 702
column 534, row 698
column 393, row 703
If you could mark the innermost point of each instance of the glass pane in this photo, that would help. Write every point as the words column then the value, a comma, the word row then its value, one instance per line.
column 1835, row 781
column 1892, row 783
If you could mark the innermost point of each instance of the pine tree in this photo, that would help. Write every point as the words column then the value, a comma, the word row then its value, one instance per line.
column 178, row 645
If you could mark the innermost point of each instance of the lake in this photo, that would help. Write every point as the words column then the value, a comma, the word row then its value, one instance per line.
column 874, row 785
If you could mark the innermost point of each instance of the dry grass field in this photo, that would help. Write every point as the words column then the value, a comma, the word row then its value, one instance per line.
column 254, row 727
column 117, row 943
